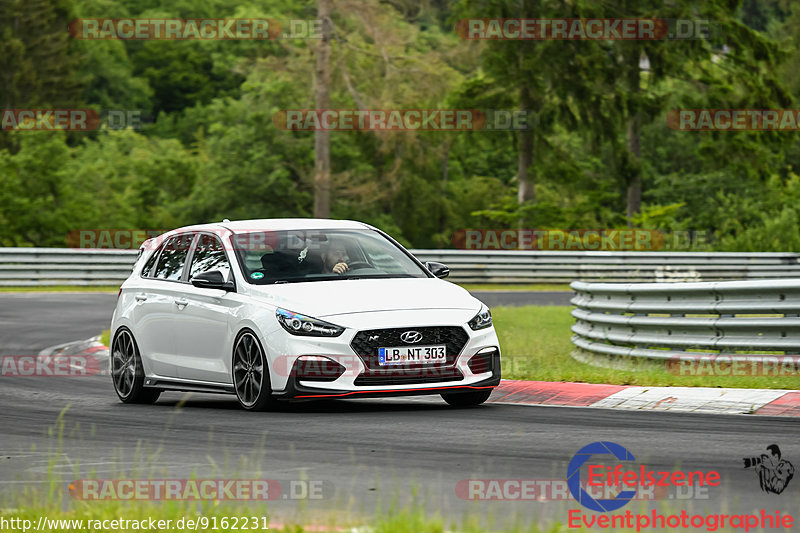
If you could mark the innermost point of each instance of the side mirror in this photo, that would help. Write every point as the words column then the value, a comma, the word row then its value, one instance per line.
column 438, row 269
column 213, row 279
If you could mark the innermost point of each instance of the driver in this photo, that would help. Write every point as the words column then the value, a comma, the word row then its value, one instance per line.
column 335, row 258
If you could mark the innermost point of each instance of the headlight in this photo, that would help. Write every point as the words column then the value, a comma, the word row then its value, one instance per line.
column 482, row 320
column 297, row 324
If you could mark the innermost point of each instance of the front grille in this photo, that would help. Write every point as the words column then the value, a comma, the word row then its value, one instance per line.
column 366, row 344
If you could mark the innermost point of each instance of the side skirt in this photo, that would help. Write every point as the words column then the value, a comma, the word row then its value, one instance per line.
column 180, row 386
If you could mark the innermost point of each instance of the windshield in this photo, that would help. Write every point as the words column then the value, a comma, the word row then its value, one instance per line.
column 270, row 257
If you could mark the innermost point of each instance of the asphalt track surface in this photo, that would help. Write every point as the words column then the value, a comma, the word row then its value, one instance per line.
column 366, row 453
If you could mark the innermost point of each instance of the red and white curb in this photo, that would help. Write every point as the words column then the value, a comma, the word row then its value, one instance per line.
column 86, row 347
column 772, row 402
column 91, row 346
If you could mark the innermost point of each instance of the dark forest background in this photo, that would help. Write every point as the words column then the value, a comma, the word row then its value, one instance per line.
column 600, row 156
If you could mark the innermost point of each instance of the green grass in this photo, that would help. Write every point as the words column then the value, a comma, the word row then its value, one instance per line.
column 412, row 519
column 409, row 520
column 536, row 345
column 62, row 288
column 516, row 287
column 105, row 337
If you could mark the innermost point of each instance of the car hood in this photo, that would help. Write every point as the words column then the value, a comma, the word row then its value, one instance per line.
column 330, row 298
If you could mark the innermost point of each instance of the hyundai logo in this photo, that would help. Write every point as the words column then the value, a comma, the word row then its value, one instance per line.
column 411, row 337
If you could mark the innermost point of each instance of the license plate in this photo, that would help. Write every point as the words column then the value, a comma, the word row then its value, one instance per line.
column 403, row 355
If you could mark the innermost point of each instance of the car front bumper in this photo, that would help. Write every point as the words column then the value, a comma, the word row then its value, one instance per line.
column 297, row 389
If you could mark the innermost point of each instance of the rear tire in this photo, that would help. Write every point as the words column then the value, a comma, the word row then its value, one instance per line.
column 250, row 373
column 466, row 399
column 127, row 371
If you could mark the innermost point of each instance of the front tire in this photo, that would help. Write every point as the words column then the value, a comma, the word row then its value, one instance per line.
column 251, row 374
column 127, row 371
column 466, row 399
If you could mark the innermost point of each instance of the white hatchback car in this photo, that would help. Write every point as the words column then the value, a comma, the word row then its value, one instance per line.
column 296, row 309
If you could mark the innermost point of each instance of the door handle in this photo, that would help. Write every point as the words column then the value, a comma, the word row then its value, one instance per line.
column 181, row 302
column 140, row 297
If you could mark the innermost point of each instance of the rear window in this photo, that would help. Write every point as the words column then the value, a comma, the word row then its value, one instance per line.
column 147, row 270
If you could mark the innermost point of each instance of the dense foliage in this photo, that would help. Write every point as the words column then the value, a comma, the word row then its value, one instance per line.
column 208, row 148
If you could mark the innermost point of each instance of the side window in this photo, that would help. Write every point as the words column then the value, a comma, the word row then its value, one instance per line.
column 173, row 256
column 383, row 257
column 209, row 255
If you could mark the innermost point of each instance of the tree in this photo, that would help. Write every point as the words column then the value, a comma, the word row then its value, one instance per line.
column 37, row 63
column 730, row 55
column 322, row 145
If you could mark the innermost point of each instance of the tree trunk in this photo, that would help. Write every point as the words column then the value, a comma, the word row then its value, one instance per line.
column 322, row 144
column 525, row 192
column 446, row 162
column 635, row 150
column 634, row 141
column 443, row 186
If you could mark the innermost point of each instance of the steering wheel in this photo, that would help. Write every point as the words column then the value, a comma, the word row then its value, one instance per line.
column 359, row 264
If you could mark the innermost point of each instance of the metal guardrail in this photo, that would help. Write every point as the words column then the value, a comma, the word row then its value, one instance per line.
column 66, row 266
column 27, row 267
column 660, row 321
column 467, row 266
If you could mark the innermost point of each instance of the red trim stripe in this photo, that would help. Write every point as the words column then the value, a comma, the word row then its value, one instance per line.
column 391, row 391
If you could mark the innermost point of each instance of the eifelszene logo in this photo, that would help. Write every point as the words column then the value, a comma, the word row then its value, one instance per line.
column 617, row 477
column 773, row 472
column 623, row 479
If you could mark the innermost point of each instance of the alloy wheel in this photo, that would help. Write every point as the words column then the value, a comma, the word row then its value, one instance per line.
column 123, row 363
column 248, row 369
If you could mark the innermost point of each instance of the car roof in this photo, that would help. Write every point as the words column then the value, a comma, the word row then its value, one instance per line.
column 279, row 224
column 274, row 224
